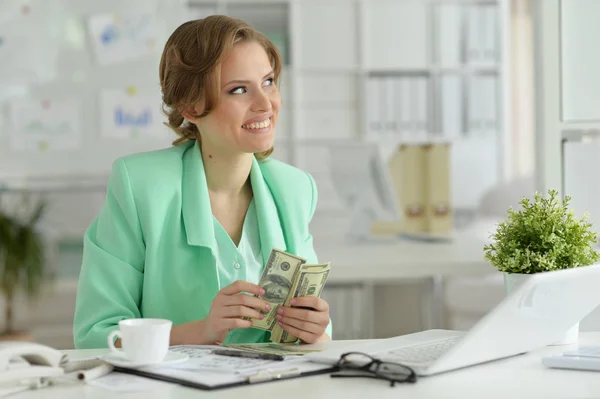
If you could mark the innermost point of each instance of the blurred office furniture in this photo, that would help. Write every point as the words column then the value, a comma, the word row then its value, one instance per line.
column 421, row 182
column 568, row 105
column 361, row 179
column 581, row 158
column 386, row 71
column 469, row 298
column 72, row 204
column 373, row 264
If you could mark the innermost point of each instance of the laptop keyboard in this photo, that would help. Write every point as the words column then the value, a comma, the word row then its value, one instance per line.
column 425, row 353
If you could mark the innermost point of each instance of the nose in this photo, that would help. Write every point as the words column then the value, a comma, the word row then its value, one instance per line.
column 261, row 102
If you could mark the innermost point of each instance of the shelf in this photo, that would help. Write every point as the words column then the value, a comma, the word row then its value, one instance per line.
column 54, row 184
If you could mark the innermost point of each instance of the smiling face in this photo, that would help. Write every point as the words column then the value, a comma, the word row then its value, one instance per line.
column 245, row 115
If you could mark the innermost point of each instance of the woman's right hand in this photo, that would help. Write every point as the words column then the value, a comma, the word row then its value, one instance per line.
column 229, row 308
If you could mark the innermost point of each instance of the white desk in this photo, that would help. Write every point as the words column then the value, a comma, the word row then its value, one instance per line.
column 385, row 260
column 517, row 377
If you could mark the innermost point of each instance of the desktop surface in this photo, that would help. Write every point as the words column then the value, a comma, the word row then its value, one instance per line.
column 519, row 376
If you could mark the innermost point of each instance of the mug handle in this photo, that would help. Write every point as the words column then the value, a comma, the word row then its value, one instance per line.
column 111, row 344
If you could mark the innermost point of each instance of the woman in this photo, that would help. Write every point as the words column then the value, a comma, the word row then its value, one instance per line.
column 185, row 231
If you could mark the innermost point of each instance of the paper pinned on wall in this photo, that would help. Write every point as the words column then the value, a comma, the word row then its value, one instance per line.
column 123, row 37
column 12, row 10
column 130, row 113
column 24, row 56
column 45, row 125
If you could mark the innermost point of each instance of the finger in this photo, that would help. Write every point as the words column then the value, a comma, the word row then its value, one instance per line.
column 247, row 300
column 304, row 314
column 242, row 286
column 313, row 302
column 303, row 335
column 302, row 325
column 230, row 324
column 241, row 311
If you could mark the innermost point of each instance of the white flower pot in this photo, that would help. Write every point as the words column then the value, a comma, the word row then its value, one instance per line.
column 513, row 280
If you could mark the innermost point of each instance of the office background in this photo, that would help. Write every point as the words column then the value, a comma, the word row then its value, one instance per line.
column 79, row 87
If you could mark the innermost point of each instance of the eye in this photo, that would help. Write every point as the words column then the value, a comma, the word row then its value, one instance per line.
column 269, row 82
column 238, row 90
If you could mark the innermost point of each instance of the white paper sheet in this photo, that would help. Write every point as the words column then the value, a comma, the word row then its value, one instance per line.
column 122, row 37
column 44, row 125
column 201, row 358
column 203, row 368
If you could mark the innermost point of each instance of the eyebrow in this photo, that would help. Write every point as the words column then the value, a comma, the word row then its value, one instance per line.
column 271, row 72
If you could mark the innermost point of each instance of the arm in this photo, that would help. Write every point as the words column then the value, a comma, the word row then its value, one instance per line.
column 112, row 272
column 312, row 256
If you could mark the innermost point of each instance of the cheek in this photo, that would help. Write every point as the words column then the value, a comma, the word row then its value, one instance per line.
column 229, row 115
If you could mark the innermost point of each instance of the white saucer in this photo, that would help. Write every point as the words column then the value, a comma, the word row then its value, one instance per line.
column 119, row 360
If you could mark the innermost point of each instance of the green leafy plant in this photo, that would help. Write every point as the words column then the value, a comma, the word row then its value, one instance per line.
column 543, row 235
column 22, row 258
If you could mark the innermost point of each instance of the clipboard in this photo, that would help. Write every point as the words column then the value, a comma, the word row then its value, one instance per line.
column 263, row 376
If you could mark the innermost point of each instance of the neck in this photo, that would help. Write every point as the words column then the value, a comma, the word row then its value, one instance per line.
column 227, row 174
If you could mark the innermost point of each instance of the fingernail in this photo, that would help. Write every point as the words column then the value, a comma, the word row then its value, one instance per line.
column 268, row 307
column 280, row 323
column 262, row 316
column 279, row 311
column 262, row 291
column 293, row 302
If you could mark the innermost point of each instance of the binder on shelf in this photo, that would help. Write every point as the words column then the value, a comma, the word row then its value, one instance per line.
column 490, row 103
column 407, row 171
column 448, row 38
column 483, row 105
column 374, row 104
column 438, row 209
column 405, row 91
column 482, row 38
column 390, row 122
column 475, row 115
column 451, row 106
column 421, row 106
column 491, row 50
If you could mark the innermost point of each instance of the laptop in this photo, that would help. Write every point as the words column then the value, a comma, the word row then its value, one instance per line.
column 538, row 313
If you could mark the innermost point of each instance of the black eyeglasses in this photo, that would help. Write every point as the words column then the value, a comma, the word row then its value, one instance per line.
column 357, row 364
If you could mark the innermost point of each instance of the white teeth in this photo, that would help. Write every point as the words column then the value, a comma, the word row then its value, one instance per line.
column 259, row 125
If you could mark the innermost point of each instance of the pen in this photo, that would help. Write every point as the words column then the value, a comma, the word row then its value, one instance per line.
column 265, row 375
column 252, row 355
column 95, row 373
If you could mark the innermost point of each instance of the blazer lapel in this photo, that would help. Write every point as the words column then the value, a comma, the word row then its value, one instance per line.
column 197, row 213
column 196, row 210
column 269, row 225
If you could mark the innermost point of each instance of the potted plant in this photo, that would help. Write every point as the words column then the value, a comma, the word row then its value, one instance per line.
column 22, row 261
column 544, row 235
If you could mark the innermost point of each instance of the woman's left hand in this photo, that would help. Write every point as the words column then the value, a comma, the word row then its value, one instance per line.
column 307, row 319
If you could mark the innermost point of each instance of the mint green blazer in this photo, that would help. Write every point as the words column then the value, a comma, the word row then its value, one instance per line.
column 149, row 253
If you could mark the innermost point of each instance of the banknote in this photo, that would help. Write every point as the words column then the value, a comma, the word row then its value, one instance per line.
column 310, row 282
column 274, row 348
column 277, row 279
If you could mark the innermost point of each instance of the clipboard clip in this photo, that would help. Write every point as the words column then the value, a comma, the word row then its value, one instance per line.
column 266, row 375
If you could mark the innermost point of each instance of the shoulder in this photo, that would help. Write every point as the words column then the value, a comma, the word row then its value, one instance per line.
column 148, row 168
column 151, row 162
column 290, row 185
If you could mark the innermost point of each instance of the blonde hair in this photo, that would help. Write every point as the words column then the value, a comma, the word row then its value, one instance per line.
column 189, row 68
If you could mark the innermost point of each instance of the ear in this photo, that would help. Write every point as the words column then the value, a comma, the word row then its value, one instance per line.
column 190, row 113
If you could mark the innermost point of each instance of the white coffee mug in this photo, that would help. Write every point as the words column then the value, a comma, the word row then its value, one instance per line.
column 144, row 341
